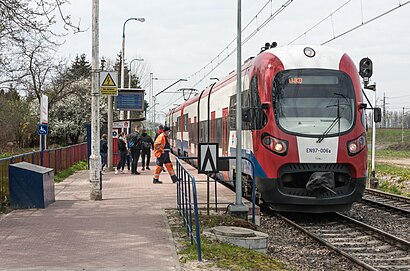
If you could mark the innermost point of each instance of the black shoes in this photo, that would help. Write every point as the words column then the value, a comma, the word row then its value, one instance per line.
column 148, row 168
column 135, row 173
column 156, row 181
column 143, row 168
column 174, row 178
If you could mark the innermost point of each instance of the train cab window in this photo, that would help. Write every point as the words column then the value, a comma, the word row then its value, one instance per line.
column 315, row 102
column 258, row 116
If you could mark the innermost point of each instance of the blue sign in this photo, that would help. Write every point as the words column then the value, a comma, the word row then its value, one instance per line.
column 42, row 129
column 130, row 100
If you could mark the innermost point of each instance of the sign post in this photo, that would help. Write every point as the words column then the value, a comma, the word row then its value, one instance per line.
column 109, row 87
column 208, row 163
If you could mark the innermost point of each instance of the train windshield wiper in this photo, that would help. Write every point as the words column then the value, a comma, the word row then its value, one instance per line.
column 327, row 131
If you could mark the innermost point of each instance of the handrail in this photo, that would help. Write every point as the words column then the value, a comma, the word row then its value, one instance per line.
column 185, row 195
column 253, row 181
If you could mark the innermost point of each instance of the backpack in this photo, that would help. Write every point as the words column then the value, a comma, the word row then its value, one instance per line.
column 146, row 145
column 134, row 141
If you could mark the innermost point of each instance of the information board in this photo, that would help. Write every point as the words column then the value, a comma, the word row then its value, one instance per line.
column 130, row 99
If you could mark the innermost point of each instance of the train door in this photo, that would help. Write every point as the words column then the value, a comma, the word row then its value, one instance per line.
column 225, row 113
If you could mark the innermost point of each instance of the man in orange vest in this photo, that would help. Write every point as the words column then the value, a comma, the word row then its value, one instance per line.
column 161, row 151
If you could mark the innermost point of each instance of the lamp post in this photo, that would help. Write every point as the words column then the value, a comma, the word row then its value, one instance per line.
column 123, row 54
column 130, row 70
column 150, row 98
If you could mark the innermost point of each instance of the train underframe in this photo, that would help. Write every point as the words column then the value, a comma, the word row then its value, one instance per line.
column 290, row 193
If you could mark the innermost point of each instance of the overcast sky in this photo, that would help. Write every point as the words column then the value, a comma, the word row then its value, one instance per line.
column 179, row 37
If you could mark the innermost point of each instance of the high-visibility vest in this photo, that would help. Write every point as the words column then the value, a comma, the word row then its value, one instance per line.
column 159, row 145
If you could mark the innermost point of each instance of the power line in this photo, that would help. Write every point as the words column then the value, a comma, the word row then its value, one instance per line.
column 366, row 22
column 351, row 29
column 220, row 58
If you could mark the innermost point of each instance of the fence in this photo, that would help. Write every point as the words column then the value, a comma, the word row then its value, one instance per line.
column 186, row 201
column 58, row 159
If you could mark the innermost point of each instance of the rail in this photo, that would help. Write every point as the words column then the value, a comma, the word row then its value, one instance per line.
column 186, row 201
column 58, row 159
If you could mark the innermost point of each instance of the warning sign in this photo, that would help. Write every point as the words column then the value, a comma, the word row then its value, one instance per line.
column 108, row 83
column 208, row 158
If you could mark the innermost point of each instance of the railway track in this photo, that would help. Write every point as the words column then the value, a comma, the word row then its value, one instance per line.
column 386, row 200
column 366, row 246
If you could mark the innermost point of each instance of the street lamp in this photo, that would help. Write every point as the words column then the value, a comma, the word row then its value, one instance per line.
column 123, row 54
column 150, row 97
column 130, row 70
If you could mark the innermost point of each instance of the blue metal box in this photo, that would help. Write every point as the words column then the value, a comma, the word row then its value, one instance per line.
column 30, row 186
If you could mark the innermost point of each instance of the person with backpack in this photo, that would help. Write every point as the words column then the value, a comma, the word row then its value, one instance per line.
column 122, row 148
column 161, row 151
column 147, row 144
column 134, row 145
column 103, row 151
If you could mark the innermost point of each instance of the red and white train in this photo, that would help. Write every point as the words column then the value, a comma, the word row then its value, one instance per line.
column 303, row 127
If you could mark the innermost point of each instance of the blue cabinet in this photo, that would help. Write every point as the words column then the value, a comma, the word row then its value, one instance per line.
column 30, row 186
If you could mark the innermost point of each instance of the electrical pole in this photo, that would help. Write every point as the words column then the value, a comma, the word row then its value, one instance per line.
column 95, row 159
column 384, row 110
column 239, row 209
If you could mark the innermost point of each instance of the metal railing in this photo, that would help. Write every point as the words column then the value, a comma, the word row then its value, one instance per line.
column 58, row 159
column 187, row 202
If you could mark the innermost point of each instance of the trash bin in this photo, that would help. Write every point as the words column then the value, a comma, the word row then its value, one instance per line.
column 30, row 186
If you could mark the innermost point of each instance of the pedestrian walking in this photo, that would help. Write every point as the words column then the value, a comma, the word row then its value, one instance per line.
column 135, row 148
column 147, row 144
column 122, row 148
column 103, row 151
column 161, row 151
column 160, row 130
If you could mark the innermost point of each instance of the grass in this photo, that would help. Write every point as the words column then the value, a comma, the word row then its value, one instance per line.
column 232, row 257
column 60, row 176
column 220, row 254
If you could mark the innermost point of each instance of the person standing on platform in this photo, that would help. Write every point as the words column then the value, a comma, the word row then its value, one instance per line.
column 122, row 148
column 147, row 144
column 135, row 147
column 160, row 130
column 103, row 151
column 161, row 151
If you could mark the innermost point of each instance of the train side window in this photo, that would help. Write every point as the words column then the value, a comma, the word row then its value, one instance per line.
column 246, row 125
column 232, row 113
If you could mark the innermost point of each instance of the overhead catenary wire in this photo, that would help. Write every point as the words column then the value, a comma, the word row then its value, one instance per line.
column 222, row 58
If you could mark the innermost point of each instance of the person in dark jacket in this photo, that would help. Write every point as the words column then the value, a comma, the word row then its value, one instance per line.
column 122, row 148
column 147, row 144
column 103, row 151
column 134, row 144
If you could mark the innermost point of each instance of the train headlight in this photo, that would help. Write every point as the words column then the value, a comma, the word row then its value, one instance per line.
column 356, row 145
column 309, row 52
column 274, row 144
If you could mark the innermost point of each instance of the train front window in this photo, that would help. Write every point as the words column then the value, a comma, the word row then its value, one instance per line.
column 314, row 102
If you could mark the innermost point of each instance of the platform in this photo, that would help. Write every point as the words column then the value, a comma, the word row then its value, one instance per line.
column 127, row 230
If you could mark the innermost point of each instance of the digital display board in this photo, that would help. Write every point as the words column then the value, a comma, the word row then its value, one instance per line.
column 130, row 100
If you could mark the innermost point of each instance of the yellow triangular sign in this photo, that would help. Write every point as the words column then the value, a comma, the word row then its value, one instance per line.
column 108, row 82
